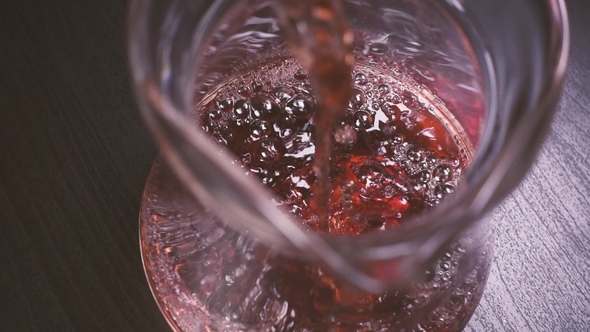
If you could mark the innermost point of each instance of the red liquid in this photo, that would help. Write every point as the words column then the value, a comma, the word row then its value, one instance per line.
column 392, row 157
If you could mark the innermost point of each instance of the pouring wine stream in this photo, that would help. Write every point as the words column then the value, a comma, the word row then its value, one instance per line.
column 318, row 35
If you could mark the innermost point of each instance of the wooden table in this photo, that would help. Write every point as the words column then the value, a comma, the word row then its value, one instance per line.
column 75, row 154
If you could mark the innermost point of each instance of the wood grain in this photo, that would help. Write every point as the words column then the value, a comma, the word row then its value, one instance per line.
column 540, row 277
column 74, row 156
column 74, row 159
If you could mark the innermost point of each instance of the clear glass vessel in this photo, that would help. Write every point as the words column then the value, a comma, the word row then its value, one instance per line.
column 218, row 252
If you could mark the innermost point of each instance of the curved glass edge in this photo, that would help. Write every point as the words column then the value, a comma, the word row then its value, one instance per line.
column 472, row 205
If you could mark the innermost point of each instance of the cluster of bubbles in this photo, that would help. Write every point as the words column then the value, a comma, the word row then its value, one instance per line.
column 258, row 113
column 390, row 147
column 391, row 154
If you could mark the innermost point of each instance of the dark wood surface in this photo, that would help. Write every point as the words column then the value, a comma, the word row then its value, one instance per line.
column 74, row 155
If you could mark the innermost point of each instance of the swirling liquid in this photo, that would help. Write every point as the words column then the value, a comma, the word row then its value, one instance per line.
column 394, row 153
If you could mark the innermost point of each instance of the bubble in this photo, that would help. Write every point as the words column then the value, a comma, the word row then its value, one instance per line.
column 286, row 132
column 241, row 109
column 225, row 104
column 301, row 106
column 391, row 110
column 264, row 107
column 398, row 139
column 360, row 79
column 433, row 202
column 383, row 89
column 345, row 135
column 444, row 189
column 408, row 99
column 244, row 90
column 267, row 150
column 215, row 114
column 431, row 159
column 283, row 93
column 229, row 279
column 357, row 98
column 442, row 173
column 259, row 129
column 286, row 125
column 300, row 75
column 241, row 122
column 225, row 133
column 362, row 120
column 414, row 154
column 423, row 176
column 394, row 98
column 423, row 165
column 257, row 86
